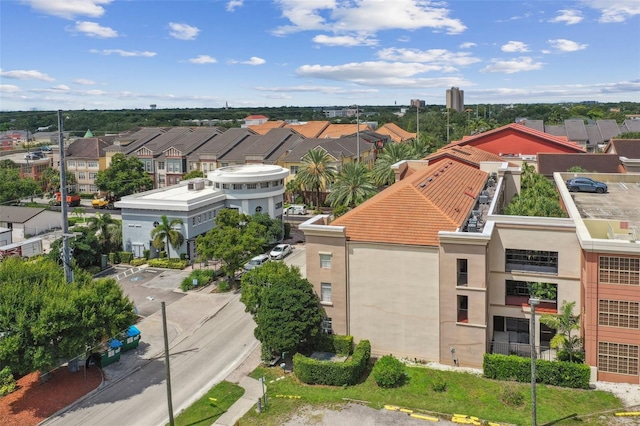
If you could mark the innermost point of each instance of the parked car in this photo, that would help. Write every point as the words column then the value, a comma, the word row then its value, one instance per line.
column 280, row 252
column 583, row 184
column 256, row 262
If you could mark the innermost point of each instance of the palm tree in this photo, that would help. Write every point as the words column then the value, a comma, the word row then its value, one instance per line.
column 353, row 185
column 108, row 230
column 383, row 174
column 316, row 171
column 79, row 212
column 564, row 323
column 165, row 234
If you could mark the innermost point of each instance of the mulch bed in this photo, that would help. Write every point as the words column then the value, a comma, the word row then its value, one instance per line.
column 33, row 402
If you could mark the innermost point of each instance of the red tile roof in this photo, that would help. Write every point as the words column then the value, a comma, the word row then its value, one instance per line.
column 256, row 117
column 467, row 153
column 435, row 198
column 339, row 130
column 396, row 133
column 263, row 129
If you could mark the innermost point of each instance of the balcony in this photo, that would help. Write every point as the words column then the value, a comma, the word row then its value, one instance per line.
column 545, row 306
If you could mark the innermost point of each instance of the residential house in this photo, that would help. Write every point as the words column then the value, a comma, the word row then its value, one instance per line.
column 25, row 222
column 253, row 120
column 629, row 152
column 209, row 156
column 395, row 132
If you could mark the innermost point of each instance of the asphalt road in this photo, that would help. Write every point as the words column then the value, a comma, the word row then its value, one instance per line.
column 200, row 360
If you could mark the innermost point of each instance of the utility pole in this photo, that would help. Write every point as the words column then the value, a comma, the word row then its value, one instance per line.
column 418, row 121
column 66, row 252
column 358, row 134
column 533, row 302
column 166, row 364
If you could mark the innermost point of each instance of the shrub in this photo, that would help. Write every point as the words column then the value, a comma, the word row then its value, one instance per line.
column 341, row 345
column 312, row 371
column 438, row 383
column 512, row 396
column 125, row 256
column 168, row 263
column 340, row 210
column 7, row 382
column 577, row 357
column 138, row 262
column 389, row 372
column 114, row 258
column 203, row 277
column 557, row 373
column 223, row 286
column 146, row 253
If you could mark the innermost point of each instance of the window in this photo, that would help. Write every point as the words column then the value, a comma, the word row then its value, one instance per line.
column 279, row 205
column 193, row 221
column 618, row 313
column 325, row 293
column 463, row 309
column 162, row 180
column 82, row 188
column 92, row 175
column 264, row 185
column 619, row 270
column 327, row 325
column 461, row 265
column 325, row 260
column 518, row 328
column 148, row 165
column 618, row 358
column 531, row 261
column 294, row 170
column 93, row 188
column 81, row 164
column 161, row 165
column 92, row 164
column 252, row 186
column 81, row 176
column 217, row 185
column 71, row 163
column 212, row 167
column 519, row 292
column 259, row 209
column 275, row 184
column 225, row 186
column 237, row 186
column 209, row 215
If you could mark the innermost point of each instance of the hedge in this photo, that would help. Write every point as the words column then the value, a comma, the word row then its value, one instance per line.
column 168, row 263
column 312, row 371
column 341, row 345
column 556, row 373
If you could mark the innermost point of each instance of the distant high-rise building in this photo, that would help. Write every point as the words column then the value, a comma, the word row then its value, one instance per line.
column 455, row 99
column 417, row 103
column 153, row 106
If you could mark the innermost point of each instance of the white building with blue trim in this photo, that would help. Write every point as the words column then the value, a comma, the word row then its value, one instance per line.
column 248, row 188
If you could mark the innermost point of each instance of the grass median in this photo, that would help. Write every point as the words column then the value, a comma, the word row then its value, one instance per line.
column 497, row 401
column 211, row 406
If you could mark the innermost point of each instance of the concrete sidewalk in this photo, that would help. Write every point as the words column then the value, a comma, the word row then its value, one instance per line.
column 252, row 392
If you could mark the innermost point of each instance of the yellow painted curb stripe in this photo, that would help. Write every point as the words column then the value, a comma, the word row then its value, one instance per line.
column 421, row 417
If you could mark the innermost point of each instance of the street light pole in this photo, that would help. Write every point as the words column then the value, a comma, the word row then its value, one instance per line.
column 358, row 134
column 166, row 364
column 533, row 302
column 418, row 121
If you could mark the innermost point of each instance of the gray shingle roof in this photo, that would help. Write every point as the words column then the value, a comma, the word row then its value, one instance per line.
column 16, row 214
column 549, row 163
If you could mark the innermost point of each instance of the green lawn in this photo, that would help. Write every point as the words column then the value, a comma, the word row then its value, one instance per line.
column 465, row 394
column 205, row 411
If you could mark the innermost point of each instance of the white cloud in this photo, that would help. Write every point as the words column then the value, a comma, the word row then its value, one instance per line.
column 613, row 11
column 468, row 45
column 345, row 40
column 253, row 61
column 379, row 73
column 365, row 16
column 69, row 9
column 61, row 88
column 564, row 45
column 126, row 53
column 511, row 66
column 26, row 75
column 447, row 60
column 183, row 31
column 203, row 59
column 568, row 16
column 9, row 88
column 514, row 46
column 93, row 29
column 84, row 82
column 233, row 4
column 327, row 90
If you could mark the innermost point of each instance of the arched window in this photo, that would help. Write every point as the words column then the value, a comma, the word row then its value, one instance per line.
column 259, row 209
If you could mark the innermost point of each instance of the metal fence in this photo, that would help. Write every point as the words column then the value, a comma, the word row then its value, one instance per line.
column 521, row 349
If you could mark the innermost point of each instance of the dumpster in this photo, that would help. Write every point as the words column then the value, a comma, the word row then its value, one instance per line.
column 131, row 338
column 112, row 354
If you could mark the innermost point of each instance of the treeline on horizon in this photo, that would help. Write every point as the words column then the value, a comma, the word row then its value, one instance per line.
column 432, row 118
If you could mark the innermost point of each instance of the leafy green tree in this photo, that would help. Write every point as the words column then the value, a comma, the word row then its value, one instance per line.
column 382, row 172
column 193, row 174
column 165, row 234
column 284, row 306
column 564, row 322
column 108, row 231
column 273, row 227
column 352, row 186
column 79, row 212
column 45, row 319
column 125, row 175
column 50, row 180
column 538, row 197
column 13, row 188
column 628, row 135
column 577, row 169
column 235, row 238
column 316, row 172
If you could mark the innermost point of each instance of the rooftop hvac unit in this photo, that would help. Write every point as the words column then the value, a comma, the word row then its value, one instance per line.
column 483, row 199
column 475, row 213
column 491, row 182
column 472, row 225
column 494, row 175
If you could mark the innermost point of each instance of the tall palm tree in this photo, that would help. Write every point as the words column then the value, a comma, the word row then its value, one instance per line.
column 383, row 174
column 353, row 185
column 108, row 230
column 164, row 234
column 316, row 171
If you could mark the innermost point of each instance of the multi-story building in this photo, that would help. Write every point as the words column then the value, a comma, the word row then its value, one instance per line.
column 84, row 158
column 455, row 99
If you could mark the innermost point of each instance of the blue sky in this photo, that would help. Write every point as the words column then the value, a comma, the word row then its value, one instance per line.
column 119, row 54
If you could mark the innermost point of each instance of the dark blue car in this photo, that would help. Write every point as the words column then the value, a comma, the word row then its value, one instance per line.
column 583, row 184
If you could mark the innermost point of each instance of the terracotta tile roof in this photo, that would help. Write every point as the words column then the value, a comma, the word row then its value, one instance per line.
column 339, row 130
column 521, row 128
column 309, row 129
column 435, row 198
column 467, row 153
column 263, row 129
column 256, row 117
column 396, row 133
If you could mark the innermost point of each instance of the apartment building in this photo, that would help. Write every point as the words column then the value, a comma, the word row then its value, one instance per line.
column 455, row 99
column 84, row 158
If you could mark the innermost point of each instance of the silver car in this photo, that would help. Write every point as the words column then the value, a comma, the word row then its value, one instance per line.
column 280, row 251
